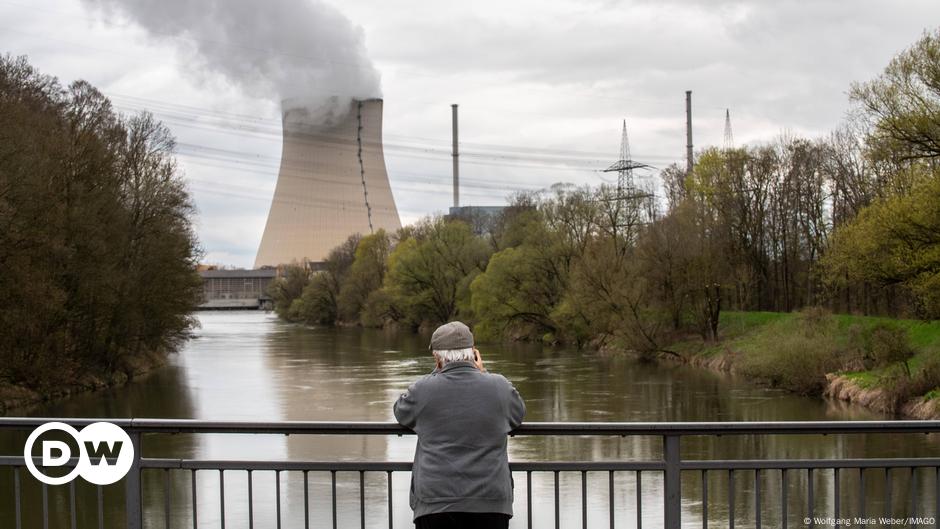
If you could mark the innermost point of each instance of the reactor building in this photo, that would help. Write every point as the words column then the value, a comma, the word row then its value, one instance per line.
column 332, row 182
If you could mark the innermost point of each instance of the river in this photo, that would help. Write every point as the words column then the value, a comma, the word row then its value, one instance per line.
column 251, row 366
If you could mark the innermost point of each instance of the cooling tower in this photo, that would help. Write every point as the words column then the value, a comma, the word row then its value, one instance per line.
column 332, row 182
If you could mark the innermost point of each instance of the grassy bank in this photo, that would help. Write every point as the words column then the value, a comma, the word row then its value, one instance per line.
column 888, row 364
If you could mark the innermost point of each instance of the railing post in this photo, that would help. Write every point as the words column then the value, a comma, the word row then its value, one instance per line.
column 132, row 501
column 672, row 498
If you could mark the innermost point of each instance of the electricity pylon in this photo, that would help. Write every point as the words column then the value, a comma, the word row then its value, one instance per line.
column 626, row 188
column 729, row 138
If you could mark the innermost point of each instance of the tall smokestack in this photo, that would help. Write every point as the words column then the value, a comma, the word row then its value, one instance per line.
column 332, row 182
column 688, row 131
column 455, row 154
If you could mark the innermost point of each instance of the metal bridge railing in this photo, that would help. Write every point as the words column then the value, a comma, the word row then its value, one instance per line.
column 670, row 466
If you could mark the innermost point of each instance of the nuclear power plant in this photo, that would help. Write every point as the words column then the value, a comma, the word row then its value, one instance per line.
column 332, row 182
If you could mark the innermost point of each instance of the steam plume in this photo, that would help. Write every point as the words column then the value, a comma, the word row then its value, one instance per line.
column 303, row 50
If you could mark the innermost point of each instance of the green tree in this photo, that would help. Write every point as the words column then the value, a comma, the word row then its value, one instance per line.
column 430, row 272
column 365, row 276
column 287, row 287
column 522, row 291
column 895, row 241
column 517, row 295
column 318, row 304
column 613, row 300
column 904, row 102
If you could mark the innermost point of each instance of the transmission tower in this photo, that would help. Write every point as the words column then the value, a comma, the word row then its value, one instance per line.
column 729, row 138
column 624, row 168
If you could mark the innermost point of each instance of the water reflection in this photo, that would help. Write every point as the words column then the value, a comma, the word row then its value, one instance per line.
column 250, row 366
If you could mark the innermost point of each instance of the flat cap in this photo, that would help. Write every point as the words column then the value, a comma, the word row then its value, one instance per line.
column 452, row 335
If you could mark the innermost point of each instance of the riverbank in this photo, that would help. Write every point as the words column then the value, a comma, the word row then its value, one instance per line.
column 17, row 397
column 837, row 356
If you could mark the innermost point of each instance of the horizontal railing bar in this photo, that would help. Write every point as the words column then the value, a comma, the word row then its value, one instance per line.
column 384, row 466
column 341, row 466
column 588, row 466
column 752, row 464
column 530, row 428
column 519, row 466
column 18, row 461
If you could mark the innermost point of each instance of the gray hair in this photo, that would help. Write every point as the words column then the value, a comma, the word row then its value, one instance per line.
column 447, row 356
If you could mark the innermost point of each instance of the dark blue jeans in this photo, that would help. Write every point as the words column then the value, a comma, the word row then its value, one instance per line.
column 463, row 520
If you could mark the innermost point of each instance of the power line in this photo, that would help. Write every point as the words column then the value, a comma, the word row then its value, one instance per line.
column 421, row 180
column 274, row 131
column 273, row 127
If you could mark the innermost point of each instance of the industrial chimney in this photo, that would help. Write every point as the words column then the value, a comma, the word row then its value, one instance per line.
column 332, row 182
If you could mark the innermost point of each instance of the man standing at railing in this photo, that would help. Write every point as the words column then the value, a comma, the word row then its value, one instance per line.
column 462, row 415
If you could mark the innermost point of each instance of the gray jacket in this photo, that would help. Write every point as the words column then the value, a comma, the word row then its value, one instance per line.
column 461, row 416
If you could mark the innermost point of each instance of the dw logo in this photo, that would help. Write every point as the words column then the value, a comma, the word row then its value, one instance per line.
column 105, row 453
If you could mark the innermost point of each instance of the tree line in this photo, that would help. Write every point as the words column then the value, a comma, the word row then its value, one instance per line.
column 850, row 222
column 97, row 252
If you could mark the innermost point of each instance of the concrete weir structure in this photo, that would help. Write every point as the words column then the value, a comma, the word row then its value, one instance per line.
column 332, row 182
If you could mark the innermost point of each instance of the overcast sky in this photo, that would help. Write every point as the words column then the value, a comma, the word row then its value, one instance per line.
column 532, row 78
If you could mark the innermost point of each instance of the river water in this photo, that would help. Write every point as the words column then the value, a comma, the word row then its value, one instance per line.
column 251, row 366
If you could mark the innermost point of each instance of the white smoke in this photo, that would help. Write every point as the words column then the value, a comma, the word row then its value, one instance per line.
column 303, row 50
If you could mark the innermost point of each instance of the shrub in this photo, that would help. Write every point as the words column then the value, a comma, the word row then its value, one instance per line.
column 901, row 386
column 794, row 361
column 380, row 310
column 317, row 304
column 882, row 346
column 815, row 319
column 928, row 378
column 890, row 344
column 856, row 355
column 795, row 354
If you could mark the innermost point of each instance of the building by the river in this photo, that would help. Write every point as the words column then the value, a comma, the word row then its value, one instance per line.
column 236, row 289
